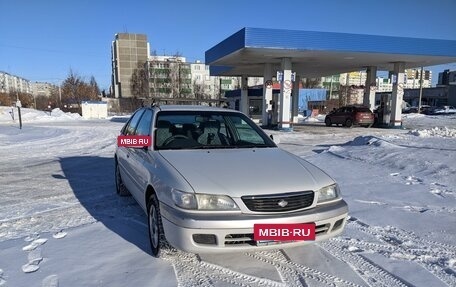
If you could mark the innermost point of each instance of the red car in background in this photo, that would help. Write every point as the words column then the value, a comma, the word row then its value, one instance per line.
column 349, row 116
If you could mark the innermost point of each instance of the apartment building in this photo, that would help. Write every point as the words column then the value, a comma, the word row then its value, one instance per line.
column 385, row 84
column 129, row 52
column 169, row 77
column 43, row 89
column 11, row 83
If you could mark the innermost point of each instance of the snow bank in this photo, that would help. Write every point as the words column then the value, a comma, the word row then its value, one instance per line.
column 32, row 115
column 311, row 119
column 443, row 132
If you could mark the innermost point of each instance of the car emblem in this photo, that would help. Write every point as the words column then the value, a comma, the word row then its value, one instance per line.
column 282, row 203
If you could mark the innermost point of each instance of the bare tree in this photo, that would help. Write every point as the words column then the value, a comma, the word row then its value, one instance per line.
column 310, row 83
column 74, row 90
column 71, row 92
column 348, row 94
column 95, row 90
column 199, row 90
column 26, row 100
column 7, row 99
column 180, row 77
column 139, row 82
column 153, row 73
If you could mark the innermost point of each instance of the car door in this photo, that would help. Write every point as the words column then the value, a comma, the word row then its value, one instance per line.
column 140, row 158
column 124, row 153
column 349, row 114
column 338, row 116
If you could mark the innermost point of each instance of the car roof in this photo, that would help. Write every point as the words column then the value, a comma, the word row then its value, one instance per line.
column 193, row 108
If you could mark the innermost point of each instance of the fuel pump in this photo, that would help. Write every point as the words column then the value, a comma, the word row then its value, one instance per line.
column 274, row 112
column 384, row 111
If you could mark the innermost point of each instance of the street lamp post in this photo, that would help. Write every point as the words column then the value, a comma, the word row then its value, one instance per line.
column 421, row 90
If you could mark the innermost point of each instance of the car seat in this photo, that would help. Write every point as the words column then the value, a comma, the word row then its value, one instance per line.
column 163, row 132
column 211, row 134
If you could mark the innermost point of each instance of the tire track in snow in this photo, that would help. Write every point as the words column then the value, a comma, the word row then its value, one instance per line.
column 2, row 278
column 192, row 271
column 431, row 255
column 372, row 274
column 293, row 274
column 392, row 234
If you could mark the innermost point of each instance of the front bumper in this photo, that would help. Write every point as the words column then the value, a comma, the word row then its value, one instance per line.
column 234, row 232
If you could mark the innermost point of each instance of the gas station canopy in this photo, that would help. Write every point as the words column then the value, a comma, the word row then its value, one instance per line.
column 316, row 54
column 261, row 52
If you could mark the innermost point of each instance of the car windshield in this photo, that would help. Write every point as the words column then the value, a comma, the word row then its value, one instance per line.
column 207, row 130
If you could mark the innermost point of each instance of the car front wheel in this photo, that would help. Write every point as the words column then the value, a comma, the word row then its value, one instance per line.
column 349, row 123
column 121, row 189
column 156, row 235
column 328, row 122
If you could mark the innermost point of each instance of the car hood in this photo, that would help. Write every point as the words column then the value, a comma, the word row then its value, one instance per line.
column 238, row 172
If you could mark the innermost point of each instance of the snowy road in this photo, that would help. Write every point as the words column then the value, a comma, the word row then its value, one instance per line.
column 61, row 223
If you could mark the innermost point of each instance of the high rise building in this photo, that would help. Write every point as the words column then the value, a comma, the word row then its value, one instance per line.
column 11, row 83
column 129, row 52
column 447, row 77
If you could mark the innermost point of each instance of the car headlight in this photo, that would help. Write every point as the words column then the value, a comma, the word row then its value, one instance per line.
column 203, row 201
column 328, row 193
column 184, row 199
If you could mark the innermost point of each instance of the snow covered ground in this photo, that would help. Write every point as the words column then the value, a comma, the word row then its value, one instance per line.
column 61, row 223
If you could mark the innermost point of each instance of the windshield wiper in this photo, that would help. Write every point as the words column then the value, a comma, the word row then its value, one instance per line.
column 212, row 147
column 252, row 146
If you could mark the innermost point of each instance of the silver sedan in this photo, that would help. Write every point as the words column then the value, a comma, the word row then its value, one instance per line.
column 210, row 175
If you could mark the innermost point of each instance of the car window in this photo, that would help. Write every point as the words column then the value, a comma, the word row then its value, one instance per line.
column 131, row 126
column 144, row 124
column 363, row 110
column 245, row 133
column 207, row 129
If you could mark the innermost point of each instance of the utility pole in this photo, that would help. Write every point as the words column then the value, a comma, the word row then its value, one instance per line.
column 421, row 90
column 60, row 95
column 330, row 88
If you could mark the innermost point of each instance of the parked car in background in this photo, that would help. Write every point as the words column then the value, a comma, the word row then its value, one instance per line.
column 424, row 109
column 211, row 174
column 349, row 116
column 444, row 110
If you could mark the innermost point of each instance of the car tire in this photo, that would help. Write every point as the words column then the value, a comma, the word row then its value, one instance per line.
column 156, row 235
column 349, row 123
column 328, row 122
column 121, row 189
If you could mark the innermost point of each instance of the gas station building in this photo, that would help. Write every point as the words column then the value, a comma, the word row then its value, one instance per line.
column 289, row 55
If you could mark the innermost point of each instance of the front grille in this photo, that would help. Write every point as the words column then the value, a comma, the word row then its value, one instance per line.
column 276, row 202
column 246, row 239
column 239, row 239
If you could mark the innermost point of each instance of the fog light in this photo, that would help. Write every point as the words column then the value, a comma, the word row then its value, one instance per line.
column 338, row 224
column 208, row 239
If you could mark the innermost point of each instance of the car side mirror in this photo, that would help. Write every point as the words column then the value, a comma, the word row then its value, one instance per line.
column 276, row 139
